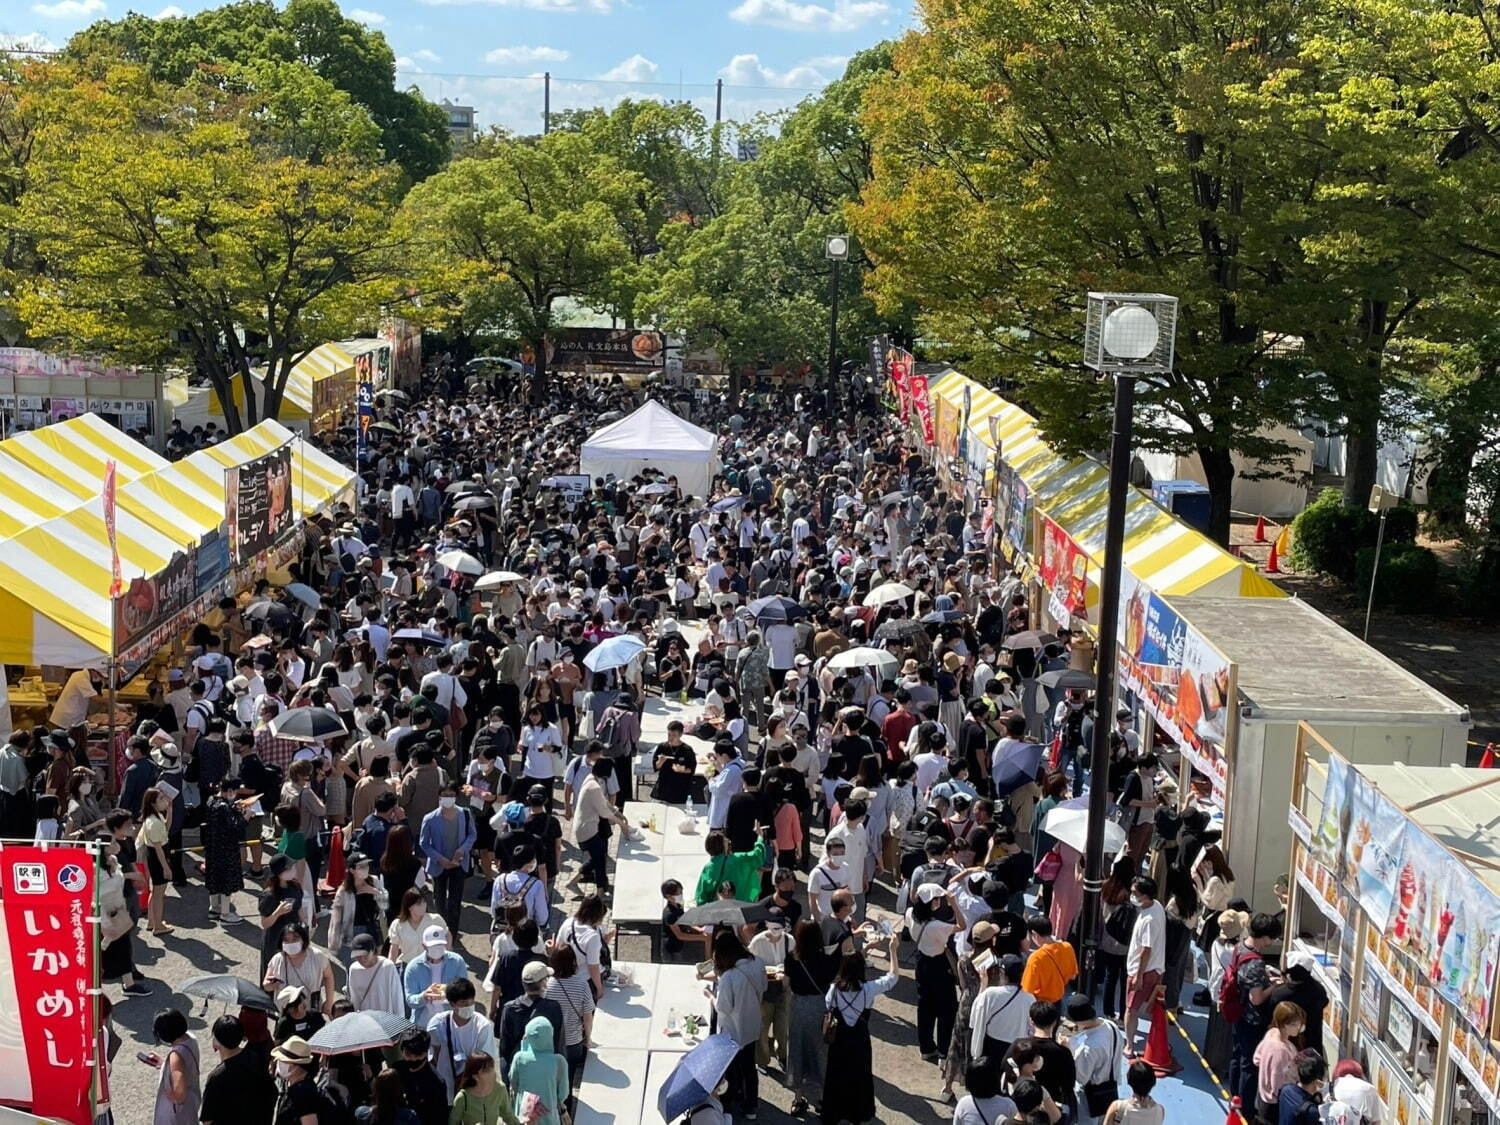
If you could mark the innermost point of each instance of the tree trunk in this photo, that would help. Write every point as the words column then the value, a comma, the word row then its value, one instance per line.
column 736, row 385
column 1218, row 474
column 539, row 376
column 1361, row 404
column 1487, row 575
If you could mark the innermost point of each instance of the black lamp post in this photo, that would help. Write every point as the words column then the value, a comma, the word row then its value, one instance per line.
column 836, row 250
column 1127, row 335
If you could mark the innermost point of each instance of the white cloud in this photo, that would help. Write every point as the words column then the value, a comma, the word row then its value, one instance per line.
column 637, row 68
column 789, row 15
column 748, row 70
column 35, row 41
column 404, row 62
column 600, row 6
column 170, row 12
column 427, row 56
column 365, row 16
column 521, row 56
column 69, row 9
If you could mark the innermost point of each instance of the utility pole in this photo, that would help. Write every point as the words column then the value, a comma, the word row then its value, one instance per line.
column 547, row 102
column 718, row 101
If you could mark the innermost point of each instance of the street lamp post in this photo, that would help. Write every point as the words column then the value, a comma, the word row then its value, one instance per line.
column 1127, row 335
column 836, row 250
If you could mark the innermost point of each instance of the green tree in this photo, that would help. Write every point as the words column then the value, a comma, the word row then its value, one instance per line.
column 504, row 233
column 209, row 240
column 310, row 33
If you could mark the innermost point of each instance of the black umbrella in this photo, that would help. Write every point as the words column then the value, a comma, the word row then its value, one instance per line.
column 776, row 609
column 725, row 912
column 1029, row 639
column 359, row 1031
column 229, row 989
column 420, row 637
column 1065, row 678
column 273, row 614
column 474, row 500
column 902, row 629
column 307, row 724
column 943, row 617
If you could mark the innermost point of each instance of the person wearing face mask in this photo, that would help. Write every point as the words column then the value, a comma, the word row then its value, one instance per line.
column 177, row 1093
column 426, row 1095
column 299, row 962
column 117, row 953
column 151, row 841
column 224, row 830
column 427, row 976
column 85, row 815
column 458, row 1033
column 238, row 1089
column 374, row 982
column 297, row 1102
column 487, row 784
column 447, row 837
column 358, row 905
column 539, row 1069
column 1146, row 957
column 297, row 1017
column 770, row 948
column 830, row 876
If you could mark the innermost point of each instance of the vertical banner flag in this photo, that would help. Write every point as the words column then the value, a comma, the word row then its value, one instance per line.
column 364, row 399
column 963, row 423
column 920, row 399
column 116, row 580
column 51, row 927
column 900, row 369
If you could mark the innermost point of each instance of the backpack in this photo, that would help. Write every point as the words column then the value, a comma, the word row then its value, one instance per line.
column 510, row 898
column 333, row 1108
column 1120, row 923
column 1231, row 999
column 609, row 732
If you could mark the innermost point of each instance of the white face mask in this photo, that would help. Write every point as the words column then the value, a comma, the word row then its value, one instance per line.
column 284, row 1071
column 495, row 726
column 292, row 948
column 463, row 1014
column 436, row 952
column 835, row 861
column 447, row 802
column 361, row 873
column 85, row 790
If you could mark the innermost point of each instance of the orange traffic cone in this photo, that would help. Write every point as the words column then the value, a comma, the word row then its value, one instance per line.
column 1234, row 1117
column 1260, row 529
column 335, row 873
column 1487, row 759
column 1158, row 1054
column 1273, row 561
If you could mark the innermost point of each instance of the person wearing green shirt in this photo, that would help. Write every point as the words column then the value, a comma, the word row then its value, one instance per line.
column 740, row 868
column 482, row 1098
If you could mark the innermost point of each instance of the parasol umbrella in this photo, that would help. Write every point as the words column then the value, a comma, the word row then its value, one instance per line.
column 308, row 724
column 1017, row 767
column 304, row 594
column 776, row 610
column 497, row 578
column 696, row 1076
column 885, row 663
column 660, row 488
column 461, row 561
column 420, row 637
column 729, row 503
column 1029, row 639
column 615, row 652
column 10, row 1116
column 903, row 629
column 359, row 1031
column 611, row 416
column 460, row 487
column 1071, row 826
column 888, row 592
column 229, row 989
column 390, row 392
column 943, row 617
column 474, row 500
column 274, row 614
column 1062, row 679
column 724, row 912
column 388, row 427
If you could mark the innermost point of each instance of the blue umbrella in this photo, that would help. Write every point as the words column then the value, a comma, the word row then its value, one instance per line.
column 1017, row 768
column 615, row 652
column 693, row 1081
column 776, row 609
column 728, row 503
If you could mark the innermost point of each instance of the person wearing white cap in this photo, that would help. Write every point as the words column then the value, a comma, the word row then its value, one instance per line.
column 427, row 976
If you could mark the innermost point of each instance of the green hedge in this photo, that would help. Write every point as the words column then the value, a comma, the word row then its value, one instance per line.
column 1328, row 535
column 1408, row 578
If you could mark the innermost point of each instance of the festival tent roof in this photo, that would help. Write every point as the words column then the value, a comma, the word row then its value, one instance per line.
column 1161, row 550
column 323, row 362
column 653, row 437
column 55, row 572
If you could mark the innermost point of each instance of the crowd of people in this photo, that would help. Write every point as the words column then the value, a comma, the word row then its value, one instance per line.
column 885, row 765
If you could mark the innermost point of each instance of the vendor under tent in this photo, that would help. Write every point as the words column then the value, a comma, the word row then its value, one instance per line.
column 653, row 438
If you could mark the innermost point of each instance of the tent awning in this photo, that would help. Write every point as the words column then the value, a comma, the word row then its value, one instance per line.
column 323, row 362
column 1160, row 550
column 655, row 431
column 55, row 573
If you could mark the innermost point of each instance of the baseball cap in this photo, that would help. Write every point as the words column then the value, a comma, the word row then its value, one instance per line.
column 930, row 892
column 363, row 943
column 290, row 995
column 983, row 930
column 535, row 973
column 434, row 935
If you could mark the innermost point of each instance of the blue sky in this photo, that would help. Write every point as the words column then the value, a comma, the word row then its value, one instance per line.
column 490, row 53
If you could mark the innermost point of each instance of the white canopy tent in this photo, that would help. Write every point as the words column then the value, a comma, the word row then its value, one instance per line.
column 653, row 438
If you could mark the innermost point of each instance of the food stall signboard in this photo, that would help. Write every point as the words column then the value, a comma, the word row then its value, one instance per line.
column 1183, row 679
column 51, row 941
column 258, row 504
column 1064, row 568
column 149, row 603
column 612, row 348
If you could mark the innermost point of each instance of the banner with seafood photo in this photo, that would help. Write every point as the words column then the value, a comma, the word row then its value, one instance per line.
column 1186, row 682
column 1373, row 849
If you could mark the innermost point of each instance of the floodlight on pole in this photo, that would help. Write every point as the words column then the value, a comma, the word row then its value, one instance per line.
column 836, row 250
column 1126, row 335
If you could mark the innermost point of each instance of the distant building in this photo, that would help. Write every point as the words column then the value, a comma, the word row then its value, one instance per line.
column 748, row 151
column 460, row 122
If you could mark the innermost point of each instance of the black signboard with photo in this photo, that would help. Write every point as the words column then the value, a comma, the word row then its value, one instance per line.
column 619, row 349
column 258, row 504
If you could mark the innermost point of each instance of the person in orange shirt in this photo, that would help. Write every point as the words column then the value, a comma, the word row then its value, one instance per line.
column 1051, row 965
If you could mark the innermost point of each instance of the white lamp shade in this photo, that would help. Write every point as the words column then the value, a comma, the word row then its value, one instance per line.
column 837, row 247
column 1130, row 332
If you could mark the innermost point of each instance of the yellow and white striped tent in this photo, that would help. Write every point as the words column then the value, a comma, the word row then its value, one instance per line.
column 55, row 571
column 326, row 361
column 1161, row 550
